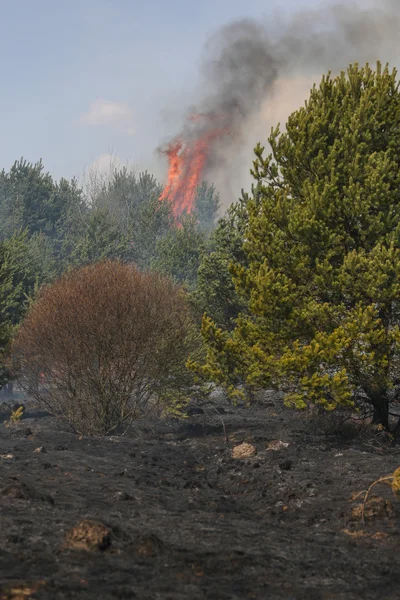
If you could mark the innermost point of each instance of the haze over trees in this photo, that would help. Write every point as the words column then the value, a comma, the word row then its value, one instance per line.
column 49, row 227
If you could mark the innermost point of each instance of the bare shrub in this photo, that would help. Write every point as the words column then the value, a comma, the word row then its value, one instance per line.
column 105, row 342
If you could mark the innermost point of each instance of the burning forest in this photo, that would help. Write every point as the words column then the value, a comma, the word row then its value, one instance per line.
column 188, row 158
column 242, row 65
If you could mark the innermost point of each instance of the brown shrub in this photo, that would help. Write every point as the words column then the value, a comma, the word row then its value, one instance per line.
column 103, row 342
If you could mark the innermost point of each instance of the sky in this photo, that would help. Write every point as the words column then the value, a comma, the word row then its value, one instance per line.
column 86, row 79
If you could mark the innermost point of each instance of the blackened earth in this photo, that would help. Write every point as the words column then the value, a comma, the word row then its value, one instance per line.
column 188, row 521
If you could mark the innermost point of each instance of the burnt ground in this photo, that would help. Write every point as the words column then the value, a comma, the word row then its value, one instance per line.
column 187, row 521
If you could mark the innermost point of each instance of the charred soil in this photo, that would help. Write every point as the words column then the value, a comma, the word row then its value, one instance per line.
column 167, row 512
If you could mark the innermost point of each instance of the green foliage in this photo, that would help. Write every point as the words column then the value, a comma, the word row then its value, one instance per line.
column 207, row 205
column 215, row 293
column 322, row 248
column 97, row 238
column 131, row 200
column 25, row 197
column 18, row 281
column 123, row 192
column 118, row 215
column 31, row 200
column 179, row 252
column 15, row 417
column 153, row 221
column 43, row 256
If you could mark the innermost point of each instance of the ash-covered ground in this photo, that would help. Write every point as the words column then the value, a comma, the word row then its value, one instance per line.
column 172, row 515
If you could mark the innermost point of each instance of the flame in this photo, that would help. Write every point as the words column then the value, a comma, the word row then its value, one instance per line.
column 187, row 162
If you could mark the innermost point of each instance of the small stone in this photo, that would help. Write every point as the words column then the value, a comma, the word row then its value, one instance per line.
column 277, row 445
column 286, row 465
column 88, row 535
column 121, row 496
column 149, row 545
column 244, row 451
column 40, row 450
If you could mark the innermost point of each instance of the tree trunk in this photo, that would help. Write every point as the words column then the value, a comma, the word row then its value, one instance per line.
column 249, row 394
column 381, row 411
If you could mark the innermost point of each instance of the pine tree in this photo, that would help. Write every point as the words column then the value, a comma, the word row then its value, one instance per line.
column 179, row 252
column 207, row 205
column 215, row 292
column 322, row 278
column 18, row 279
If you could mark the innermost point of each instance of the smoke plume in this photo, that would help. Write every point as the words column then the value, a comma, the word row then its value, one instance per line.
column 242, row 69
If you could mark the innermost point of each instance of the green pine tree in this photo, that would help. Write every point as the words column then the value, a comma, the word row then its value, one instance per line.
column 179, row 252
column 215, row 293
column 18, row 281
column 322, row 278
column 206, row 206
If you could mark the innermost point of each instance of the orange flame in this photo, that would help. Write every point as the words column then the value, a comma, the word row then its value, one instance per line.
column 187, row 163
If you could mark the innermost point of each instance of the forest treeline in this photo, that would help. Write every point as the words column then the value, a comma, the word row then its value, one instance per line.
column 295, row 288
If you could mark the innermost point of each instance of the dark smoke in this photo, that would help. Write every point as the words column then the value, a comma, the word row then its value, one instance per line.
column 243, row 60
column 239, row 66
column 338, row 34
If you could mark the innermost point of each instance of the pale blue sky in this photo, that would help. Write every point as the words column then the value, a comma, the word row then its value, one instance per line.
column 83, row 78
